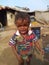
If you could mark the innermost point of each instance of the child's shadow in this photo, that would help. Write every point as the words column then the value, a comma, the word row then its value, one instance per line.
column 7, row 57
column 36, row 61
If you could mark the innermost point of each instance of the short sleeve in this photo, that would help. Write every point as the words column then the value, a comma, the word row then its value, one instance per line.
column 35, row 37
column 13, row 40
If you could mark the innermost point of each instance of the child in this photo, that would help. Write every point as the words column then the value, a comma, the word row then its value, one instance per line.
column 22, row 41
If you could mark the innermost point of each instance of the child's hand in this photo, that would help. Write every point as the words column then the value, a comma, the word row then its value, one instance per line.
column 27, row 59
column 42, row 52
column 19, row 58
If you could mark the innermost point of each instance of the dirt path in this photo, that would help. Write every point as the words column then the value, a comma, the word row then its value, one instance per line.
column 6, row 55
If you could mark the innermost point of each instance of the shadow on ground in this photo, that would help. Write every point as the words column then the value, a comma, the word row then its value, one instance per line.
column 36, row 61
column 7, row 58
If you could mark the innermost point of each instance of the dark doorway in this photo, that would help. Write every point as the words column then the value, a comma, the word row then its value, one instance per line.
column 3, row 18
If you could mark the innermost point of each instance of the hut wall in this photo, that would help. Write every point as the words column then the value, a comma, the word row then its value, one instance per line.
column 42, row 15
column 10, row 18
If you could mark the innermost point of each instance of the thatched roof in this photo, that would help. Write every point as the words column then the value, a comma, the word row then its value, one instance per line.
column 23, row 9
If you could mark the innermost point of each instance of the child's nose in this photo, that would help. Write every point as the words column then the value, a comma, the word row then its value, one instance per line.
column 22, row 27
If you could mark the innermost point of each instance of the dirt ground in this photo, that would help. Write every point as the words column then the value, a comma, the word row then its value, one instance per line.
column 6, row 55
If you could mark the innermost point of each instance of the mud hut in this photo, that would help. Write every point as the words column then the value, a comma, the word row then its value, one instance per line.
column 39, row 19
column 7, row 16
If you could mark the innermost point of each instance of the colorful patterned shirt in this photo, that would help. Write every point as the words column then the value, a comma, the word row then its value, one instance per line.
column 24, row 45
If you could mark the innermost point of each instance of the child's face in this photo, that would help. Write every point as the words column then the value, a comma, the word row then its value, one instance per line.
column 22, row 26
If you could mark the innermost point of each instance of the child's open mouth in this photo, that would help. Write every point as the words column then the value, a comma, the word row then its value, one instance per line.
column 23, row 31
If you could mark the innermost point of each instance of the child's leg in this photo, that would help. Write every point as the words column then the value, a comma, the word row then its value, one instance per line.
column 28, row 60
column 21, row 63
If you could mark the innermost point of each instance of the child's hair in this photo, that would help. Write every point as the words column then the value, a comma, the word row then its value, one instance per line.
column 23, row 16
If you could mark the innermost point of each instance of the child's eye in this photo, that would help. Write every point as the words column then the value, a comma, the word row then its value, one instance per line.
column 22, row 25
column 25, row 24
column 19, row 25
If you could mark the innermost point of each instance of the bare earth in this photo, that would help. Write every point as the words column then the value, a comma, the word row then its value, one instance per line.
column 6, row 55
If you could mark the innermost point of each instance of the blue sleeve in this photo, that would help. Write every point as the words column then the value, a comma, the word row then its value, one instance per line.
column 13, row 40
column 35, row 37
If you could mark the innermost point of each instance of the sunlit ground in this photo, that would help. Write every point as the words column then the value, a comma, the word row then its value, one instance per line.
column 6, row 55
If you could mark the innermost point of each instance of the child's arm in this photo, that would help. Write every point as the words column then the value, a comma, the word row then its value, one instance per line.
column 12, row 43
column 15, row 53
column 39, row 47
